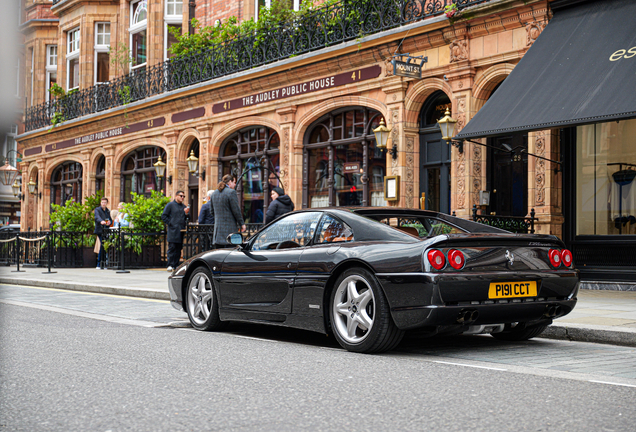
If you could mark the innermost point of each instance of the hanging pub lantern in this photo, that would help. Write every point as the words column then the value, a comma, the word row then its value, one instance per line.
column 381, row 135
column 193, row 162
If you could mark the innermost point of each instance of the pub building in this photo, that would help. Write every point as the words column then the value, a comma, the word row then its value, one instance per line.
column 575, row 88
column 305, row 122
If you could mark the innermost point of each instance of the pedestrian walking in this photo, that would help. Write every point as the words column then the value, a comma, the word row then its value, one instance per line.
column 281, row 204
column 121, row 220
column 175, row 216
column 226, row 211
column 102, row 221
column 206, row 217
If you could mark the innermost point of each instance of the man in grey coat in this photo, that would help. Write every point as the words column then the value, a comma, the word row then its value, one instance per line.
column 175, row 216
column 225, row 209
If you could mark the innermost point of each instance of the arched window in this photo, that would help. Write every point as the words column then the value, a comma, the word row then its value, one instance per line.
column 100, row 175
column 343, row 165
column 138, row 172
column 66, row 183
column 246, row 150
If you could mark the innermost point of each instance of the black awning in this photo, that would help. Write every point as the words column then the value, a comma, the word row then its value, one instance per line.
column 581, row 69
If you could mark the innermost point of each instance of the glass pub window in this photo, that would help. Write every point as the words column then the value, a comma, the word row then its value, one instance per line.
column 102, row 56
column 66, row 183
column 340, row 150
column 138, row 173
column 243, row 150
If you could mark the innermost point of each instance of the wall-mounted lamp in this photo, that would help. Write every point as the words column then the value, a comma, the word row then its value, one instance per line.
column 17, row 190
column 447, row 126
column 382, row 136
column 160, row 167
column 193, row 162
column 8, row 173
column 32, row 186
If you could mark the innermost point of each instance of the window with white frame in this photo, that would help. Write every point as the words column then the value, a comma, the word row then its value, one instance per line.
column 102, row 56
column 173, row 24
column 10, row 145
column 268, row 3
column 138, row 33
column 72, row 58
column 51, row 69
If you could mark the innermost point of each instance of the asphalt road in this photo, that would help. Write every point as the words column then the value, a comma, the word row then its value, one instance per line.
column 86, row 362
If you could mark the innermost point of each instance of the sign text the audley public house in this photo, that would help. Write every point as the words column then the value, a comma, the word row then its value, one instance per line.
column 300, row 88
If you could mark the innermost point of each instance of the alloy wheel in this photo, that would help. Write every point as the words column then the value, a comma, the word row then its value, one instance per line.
column 353, row 309
column 200, row 298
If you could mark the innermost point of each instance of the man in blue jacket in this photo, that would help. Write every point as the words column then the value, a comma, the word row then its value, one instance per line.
column 102, row 220
column 175, row 216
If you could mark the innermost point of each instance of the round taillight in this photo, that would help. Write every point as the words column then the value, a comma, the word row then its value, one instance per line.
column 456, row 259
column 555, row 257
column 437, row 259
column 566, row 257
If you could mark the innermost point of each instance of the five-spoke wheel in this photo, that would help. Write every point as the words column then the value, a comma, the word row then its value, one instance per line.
column 359, row 313
column 200, row 298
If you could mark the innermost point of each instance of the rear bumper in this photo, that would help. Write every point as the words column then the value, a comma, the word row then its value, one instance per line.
column 436, row 299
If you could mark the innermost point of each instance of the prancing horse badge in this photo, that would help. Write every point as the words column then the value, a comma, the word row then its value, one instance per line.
column 510, row 257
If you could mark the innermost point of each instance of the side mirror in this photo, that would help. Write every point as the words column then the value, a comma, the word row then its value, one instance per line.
column 235, row 239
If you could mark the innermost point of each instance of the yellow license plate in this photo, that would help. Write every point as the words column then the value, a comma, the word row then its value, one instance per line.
column 512, row 289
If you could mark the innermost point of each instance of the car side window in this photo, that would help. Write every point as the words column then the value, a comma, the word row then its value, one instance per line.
column 333, row 231
column 422, row 226
column 294, row 230
column 440, row 227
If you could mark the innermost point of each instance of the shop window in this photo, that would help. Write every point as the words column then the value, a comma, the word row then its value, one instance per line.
column 100, row 175
column 606, row 179
column 345, row 167
column 138, row 173
column 248, row 151
column 66, row 183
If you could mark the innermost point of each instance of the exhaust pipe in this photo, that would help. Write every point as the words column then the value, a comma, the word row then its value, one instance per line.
column 552, row 311
column 467, row 315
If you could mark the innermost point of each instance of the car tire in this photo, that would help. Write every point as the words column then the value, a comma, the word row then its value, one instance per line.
column 521, row 334
column 201, row 301
column 359, row 314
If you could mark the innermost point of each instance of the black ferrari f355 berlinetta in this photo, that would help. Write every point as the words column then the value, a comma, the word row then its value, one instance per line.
column 368, row 275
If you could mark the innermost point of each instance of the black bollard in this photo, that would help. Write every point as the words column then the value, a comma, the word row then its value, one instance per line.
column 49, row 253
column 121, row 245
column 17, row 254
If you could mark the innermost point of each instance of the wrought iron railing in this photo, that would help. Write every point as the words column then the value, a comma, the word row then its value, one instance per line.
column 515, row 224
column 326, row 26
column 76, row 249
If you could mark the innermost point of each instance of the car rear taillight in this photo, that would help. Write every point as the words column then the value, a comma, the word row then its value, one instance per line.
column 456, row 259
column 555, row 257
column 437, row 259
column 566, row 257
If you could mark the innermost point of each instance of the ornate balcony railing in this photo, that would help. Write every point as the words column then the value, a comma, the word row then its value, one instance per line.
column 326, row 26
column 515, row 224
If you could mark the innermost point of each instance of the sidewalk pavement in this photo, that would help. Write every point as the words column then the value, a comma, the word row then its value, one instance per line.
column 601, row 316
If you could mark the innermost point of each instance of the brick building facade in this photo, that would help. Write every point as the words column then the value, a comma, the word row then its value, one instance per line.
column 466, row 60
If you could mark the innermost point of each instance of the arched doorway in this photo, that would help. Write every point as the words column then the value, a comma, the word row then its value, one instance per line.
column 100, row 175
column 138, row 173
column 507, row 178
column 66, row 183
column 435, row 155
column 243, row 150
column 193, row 185
column 343, row 165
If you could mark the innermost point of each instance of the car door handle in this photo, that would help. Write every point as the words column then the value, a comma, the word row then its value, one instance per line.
column 289, row 265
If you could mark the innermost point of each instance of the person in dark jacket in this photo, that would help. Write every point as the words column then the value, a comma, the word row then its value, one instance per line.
column 281, row 204
column 102, row 220
column 205, row 215
column 226, row 211
column 175, row 216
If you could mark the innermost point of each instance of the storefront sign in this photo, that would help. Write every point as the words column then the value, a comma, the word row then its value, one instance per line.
column 301, row 88
column 409, row 70
column 110, row 133
column 352, row 167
